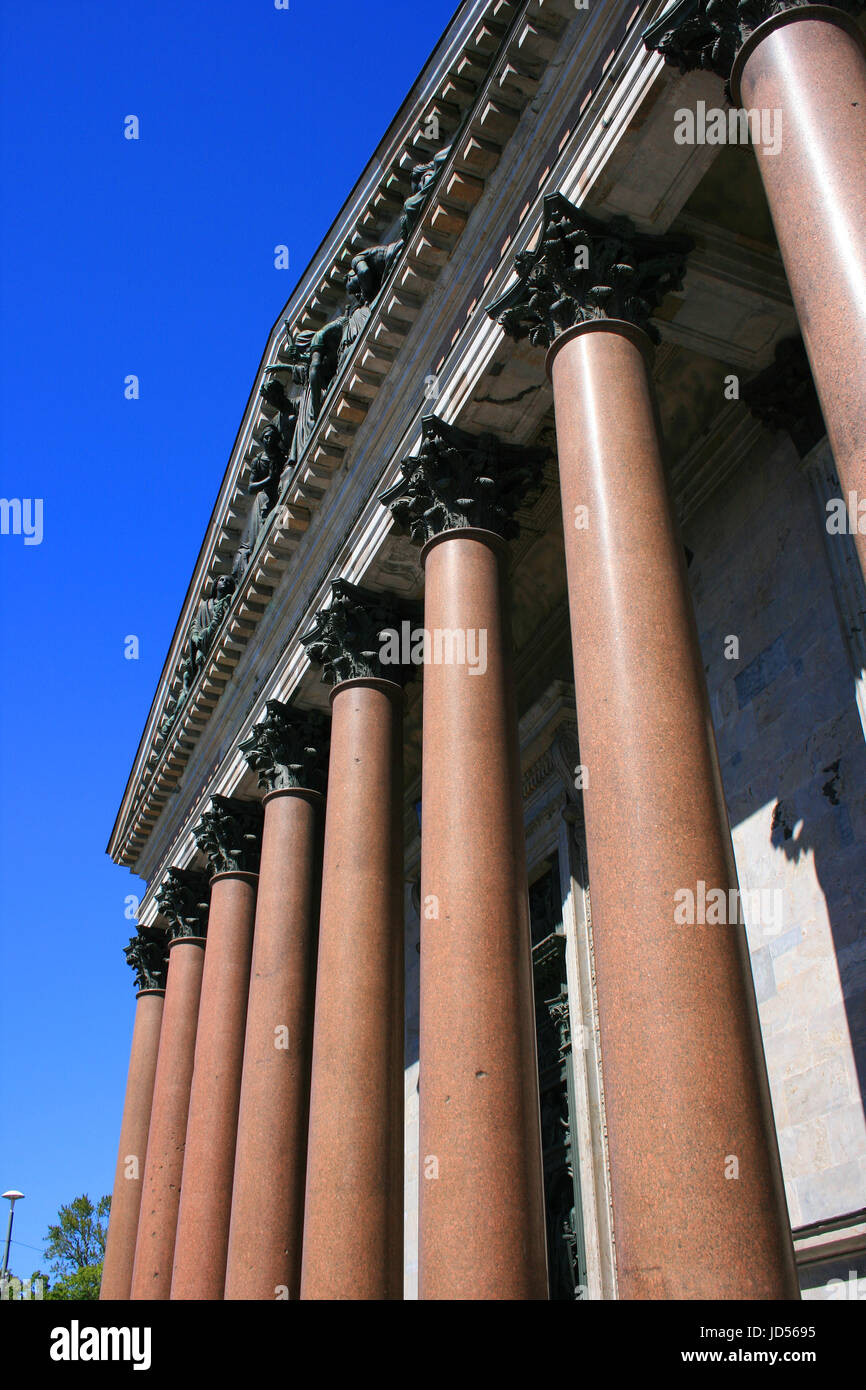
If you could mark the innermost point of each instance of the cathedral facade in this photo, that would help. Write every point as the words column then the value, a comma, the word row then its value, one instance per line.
column 502, row 803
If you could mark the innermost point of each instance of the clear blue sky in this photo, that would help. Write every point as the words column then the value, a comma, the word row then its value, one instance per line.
column 156, row 258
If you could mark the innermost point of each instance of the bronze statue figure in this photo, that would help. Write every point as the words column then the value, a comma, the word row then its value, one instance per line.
column 316, row 358
column 209, row 615
column 264, row 486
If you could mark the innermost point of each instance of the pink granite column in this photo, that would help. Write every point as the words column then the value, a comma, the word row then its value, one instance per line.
column 482, row 1233
column 809, row 65
column 267, row 1217
column 160, row 1195
column 698, row 1203
column 205, row 1201
column 353, row 1222
column 132, row 1149
column 353, row 1231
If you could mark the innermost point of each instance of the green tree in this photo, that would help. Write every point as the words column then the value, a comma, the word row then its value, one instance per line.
column 76, row 1248
column 81, row 1285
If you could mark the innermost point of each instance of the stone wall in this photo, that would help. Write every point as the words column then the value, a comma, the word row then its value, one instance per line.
column 794, row 768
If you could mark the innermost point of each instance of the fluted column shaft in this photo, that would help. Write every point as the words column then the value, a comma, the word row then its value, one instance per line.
column 698, row 1202
column 132, row 1149
column 353, row 1234
column 160, row 1196
column 811, row 66
column 205, row 1201
column 481, row 1195
column 267, row 1218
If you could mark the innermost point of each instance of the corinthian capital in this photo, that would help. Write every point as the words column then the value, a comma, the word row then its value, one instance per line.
column 459, row 479
column 709, row 33
column 147, row 954
column 289, row 748
column 183, row 900
column 230, row 834
column 584, row 269
column 349, row 638
column 783, row 396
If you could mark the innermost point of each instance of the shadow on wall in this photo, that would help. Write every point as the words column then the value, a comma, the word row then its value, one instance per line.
column 822, row 834
column 793, row 760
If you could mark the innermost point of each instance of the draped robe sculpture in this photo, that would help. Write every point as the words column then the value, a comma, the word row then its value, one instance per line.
column 264, row 486
column 317, row 357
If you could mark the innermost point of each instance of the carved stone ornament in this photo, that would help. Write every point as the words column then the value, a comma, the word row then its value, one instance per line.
column 289, row 748
column 200, row 638
column 583, row 269
column 230, row 834
column 183, row 899
column 459, row 479
column 783, row 396
column 147, row 954
column 349, row 638
column 709, row 33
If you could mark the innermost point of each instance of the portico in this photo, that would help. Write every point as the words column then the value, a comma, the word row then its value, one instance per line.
column 432, row 1024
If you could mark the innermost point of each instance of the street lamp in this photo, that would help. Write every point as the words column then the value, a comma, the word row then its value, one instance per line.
column 12, row 1197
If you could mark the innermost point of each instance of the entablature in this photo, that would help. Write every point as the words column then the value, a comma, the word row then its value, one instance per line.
column 455, row 121
column 483, row 382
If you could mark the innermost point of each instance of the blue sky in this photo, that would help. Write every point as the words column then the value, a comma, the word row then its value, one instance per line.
column 153, row 257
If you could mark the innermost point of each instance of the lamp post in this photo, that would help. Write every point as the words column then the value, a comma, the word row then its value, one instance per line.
column 12, row 1197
